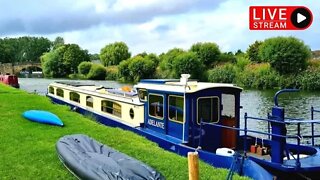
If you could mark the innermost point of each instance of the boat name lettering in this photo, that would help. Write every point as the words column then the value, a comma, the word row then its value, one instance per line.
column 156, row 123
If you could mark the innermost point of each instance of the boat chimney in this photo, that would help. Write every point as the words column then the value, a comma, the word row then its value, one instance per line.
column 184, row 79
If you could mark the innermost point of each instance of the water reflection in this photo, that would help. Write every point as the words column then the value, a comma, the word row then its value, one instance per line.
column 297, row 105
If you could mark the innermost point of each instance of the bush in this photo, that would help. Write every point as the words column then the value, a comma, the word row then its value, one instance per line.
column 207, row 52
column 310, row 79
column 84, row 67
column 123, row 71
column 253, row 52
column 77, row 76
column 187, row 63
column 287, row 55
column 97, row 72
column 166, row 63
column 222, row 74
column 289, row 81
column 314, row 64
column 112, row 73
column 227, row 57
column 242, row 62
column 141, row 68
column 136, row 68
column 259, row 76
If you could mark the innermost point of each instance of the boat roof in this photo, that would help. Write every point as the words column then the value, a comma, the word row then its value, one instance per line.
column 75, row 83
column 175, row 85
column 100, row 91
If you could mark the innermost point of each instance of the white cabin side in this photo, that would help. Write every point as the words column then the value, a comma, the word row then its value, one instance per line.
column 120, row 108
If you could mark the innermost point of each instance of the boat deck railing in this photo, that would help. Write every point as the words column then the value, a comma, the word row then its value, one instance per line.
column 313, row 111
column 295, row 121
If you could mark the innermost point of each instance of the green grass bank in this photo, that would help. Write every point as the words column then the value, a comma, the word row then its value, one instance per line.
column 28, row 148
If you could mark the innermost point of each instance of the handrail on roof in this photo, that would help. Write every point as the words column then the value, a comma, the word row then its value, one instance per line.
column 280, row 92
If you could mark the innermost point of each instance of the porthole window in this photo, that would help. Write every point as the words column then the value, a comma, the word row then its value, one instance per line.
column 131, row 113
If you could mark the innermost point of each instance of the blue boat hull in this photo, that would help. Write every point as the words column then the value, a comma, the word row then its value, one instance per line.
column 44, row 117
column 249, row 168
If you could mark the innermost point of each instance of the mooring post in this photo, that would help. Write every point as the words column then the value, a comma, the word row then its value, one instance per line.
column 193, row 164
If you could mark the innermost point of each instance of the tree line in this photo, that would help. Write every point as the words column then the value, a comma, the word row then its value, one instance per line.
column 273, row 63
column 23, row 49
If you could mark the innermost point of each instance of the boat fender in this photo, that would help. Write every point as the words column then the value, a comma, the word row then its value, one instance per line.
column 225, row 152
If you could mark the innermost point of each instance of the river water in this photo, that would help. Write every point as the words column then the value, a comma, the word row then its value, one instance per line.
column 255, row 102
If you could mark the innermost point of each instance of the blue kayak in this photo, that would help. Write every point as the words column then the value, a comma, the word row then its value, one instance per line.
column 43, row 117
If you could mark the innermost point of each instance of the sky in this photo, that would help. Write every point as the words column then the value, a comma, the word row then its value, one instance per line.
column 152, row 26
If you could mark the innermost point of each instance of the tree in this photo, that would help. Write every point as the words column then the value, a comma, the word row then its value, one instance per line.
column 238, row 52
column 287, row 55
column 166, row 62
column 124, row 72
column 35, row 47
column 253, row 52
column 6, row 50
column 73, row 56
column 207, row 52
column 187, row 63
column 59, row 41
column 154, row 58
column 52, row 65
column 94, row 57
column 23, row 49
column 113, row 54
column 141, row 68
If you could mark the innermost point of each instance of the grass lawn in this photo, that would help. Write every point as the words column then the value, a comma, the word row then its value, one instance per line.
column 28, row 148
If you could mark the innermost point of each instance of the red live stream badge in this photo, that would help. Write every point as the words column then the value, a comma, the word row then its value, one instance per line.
column 279, row 18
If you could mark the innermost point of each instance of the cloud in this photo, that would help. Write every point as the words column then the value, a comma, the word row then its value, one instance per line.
column 151, row 26
column 44, row 17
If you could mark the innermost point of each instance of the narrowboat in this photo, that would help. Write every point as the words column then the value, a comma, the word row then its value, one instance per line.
column 11, row 80
column 186, row 115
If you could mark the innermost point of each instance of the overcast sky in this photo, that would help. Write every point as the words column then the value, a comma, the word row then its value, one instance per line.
column 146, row 25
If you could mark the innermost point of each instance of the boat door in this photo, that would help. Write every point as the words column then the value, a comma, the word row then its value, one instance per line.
column 156, row 112
column 207, row 111
column 228, row 118
column 175, row 116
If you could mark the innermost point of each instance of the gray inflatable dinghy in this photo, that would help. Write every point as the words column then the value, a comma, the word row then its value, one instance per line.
column 88, row 159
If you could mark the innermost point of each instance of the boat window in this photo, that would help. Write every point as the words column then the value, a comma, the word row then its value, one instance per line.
column 74, row 97
column 228, row 104
column 89, row 101
column 142, row 93
column 208, row 109
column 111, row 107
column 60, row 92
column 176, row 108
column 51, row 90
column 156, row 106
